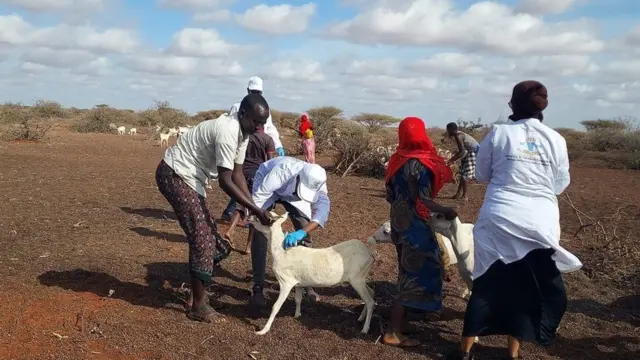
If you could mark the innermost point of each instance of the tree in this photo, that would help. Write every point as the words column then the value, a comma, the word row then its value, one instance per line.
column 601, row 124
column 374, row 122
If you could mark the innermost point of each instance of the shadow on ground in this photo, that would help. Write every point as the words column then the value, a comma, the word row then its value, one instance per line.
column 160, row 235
column 150, row 213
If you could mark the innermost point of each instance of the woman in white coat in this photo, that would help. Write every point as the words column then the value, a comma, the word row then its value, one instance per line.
column 518, row 289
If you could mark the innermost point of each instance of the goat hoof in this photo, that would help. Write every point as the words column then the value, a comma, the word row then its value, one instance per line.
column 297, row 316
column 261, row 332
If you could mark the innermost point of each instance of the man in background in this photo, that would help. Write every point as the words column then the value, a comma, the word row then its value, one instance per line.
column 254, row 86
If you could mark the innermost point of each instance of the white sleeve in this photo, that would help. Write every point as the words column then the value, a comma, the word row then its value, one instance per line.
column 265, row 191
column 271, row 130
column 563, row 178
column 320, row 209
column 234, row 108
column 227, row 149
column 484, row 158
column 242, row 151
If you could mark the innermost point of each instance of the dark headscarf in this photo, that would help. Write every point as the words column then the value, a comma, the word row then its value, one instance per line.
column 528, row 100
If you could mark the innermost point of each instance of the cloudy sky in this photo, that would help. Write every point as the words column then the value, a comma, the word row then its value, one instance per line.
column 437, row 59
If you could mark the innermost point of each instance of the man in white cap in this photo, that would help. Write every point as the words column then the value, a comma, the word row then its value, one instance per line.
column 254, row 86
column 301, row 188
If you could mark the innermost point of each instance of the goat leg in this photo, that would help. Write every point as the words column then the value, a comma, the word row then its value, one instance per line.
column 285, row 289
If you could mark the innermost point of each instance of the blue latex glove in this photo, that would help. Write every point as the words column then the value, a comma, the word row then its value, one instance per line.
column 280, row 151
column 292, row 239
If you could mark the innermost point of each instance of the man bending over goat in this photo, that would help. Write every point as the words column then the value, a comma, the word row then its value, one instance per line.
column 301, row 188
column 212, row 149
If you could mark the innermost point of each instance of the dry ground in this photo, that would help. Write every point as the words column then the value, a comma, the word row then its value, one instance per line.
column 81, row 215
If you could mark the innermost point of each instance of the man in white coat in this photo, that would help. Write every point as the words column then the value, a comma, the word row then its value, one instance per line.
column 301, row 188
column 255, row 86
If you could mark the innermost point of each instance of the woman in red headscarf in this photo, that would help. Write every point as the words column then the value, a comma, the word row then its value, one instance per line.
column 308, row 142
column 415, row 174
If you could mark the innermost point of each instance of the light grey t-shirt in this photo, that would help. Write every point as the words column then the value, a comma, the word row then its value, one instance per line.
column 199, row 152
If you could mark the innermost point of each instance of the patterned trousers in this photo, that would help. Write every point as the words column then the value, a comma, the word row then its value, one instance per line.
column 206, row 247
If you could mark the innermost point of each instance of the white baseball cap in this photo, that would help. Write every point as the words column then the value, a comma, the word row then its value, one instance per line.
column 255, row 83
column 312, row 178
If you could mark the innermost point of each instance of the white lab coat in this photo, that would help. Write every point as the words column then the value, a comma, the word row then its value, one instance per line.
column 276, row 180
column 526, row 165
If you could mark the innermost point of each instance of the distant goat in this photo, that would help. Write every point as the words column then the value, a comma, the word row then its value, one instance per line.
column 122, row 130
column 164, row 139
column 133, row 131
column 112, row 126
column 299, row 267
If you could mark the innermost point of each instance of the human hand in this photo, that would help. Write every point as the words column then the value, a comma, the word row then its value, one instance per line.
column 280, row 151
column 292, row 239
column 450, row 214
column 264, row 217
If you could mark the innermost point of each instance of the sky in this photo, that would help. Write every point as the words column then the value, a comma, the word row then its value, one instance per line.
column 440, row 60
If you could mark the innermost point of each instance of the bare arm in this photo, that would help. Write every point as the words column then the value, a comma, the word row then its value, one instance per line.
column 240, row 192
column 462, row 152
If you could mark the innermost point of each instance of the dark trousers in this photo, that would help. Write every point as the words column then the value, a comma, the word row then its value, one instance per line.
column 259, row 245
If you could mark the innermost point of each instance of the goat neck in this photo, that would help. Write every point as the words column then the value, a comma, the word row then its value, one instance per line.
column 276, row 239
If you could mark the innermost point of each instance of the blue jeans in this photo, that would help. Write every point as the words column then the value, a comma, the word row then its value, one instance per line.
column 231, row 206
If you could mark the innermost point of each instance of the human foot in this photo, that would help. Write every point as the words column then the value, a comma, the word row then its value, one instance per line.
column 205, row 313
column 399, row 340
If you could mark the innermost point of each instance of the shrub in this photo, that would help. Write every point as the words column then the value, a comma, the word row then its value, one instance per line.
column 287, row 120
column 325, row 121
column 374, row 122
column 596, row 125
column 98, row 119
column 352, row 149
column 207, row 115
column 164, row 115
column 48, row 109
column 21, row 125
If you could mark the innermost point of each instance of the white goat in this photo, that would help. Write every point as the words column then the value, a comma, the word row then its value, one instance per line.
column 164, row 139
column 173, row 131
column 122, row 130
column 457, row 238
column 299, row 267
column 133, row 131
column 112, row 126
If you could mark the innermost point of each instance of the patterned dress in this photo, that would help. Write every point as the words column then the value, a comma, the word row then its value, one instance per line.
column 420, row 268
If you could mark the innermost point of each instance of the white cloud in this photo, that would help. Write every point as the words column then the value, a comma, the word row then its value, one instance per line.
column 58, row 58
column 484, row 26
column 632, row 38
column 449, row 64
column 55, row 5
column 202, row 43
column 306, row 71
column 193, row 4
column 542, row 7
column 14, row 30
column 277, row 19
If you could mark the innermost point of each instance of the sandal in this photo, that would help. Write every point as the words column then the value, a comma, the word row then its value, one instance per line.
column 206, row 314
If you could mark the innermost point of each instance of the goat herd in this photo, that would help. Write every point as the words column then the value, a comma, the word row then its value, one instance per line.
column 164, row 137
